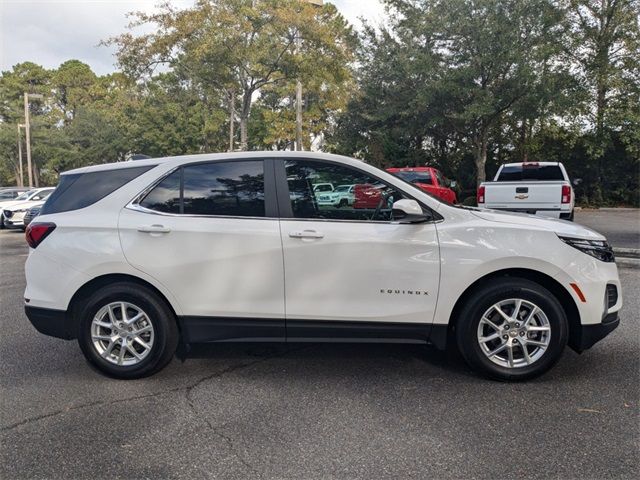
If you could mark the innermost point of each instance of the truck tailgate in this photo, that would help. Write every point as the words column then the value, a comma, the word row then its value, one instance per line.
column 523, row 194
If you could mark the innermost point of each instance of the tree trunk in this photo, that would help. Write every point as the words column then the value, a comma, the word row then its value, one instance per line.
column 244, row 120
column 481, row 142
column 232, row 116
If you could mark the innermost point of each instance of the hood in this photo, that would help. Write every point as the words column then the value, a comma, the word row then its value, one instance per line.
column 561, row 227
column 6, row 205
column 22, row 205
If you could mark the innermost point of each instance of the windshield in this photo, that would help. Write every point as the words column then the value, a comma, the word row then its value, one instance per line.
column 25, row 195
column 415, row 177
column 532, row 172
column 343, row 188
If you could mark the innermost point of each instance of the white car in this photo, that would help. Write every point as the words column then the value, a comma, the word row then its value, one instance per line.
column 538, row 188
column 12, row 212
column 232, row 247
column 342, row 196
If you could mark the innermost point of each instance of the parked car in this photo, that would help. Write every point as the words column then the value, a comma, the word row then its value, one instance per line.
column 12, row 215
column 10, row 193
column 342, row 196
column 36, row 194
column 428, row 179
column 208, row 248
column 538, row 188
column 15, row 216
column 32, row 213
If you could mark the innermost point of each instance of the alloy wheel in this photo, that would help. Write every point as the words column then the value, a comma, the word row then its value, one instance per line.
column 122, row 333
column 514, row 333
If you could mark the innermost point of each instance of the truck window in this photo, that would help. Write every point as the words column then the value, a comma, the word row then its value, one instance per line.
column 518, row 173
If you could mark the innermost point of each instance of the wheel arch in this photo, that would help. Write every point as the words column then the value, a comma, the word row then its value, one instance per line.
column 85, row 291
column 542, row 279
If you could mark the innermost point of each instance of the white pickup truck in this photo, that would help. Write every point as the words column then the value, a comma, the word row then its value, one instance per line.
column 539, row 188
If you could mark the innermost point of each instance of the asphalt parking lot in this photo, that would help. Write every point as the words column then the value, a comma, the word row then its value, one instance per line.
column 312, row 411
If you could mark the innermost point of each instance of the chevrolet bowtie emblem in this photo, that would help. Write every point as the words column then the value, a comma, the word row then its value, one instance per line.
column 521, row 196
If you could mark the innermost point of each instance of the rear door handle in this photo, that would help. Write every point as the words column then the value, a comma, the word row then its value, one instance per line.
column 153, row 229
column 306, row 234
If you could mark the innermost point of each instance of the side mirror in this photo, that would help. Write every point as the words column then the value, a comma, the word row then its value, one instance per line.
column 453, row 184
column 576, row 181
column 408, row 211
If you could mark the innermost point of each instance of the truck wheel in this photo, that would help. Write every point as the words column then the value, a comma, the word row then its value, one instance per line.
column 126, row 331
column 343, row 203
column 571, row 216
column 512, row 329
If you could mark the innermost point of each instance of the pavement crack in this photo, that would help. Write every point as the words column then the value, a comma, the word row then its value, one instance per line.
column 96, row 403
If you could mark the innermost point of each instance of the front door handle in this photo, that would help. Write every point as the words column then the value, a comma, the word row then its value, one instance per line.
column 153, row 229
column 306, row 234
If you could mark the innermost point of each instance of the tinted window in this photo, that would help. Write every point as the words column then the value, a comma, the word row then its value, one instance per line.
column 369, row 199
column 165, row 197
column 80, row 190
column 6, row 195
column 415, row 177
column 517, row 173
column 233, row 188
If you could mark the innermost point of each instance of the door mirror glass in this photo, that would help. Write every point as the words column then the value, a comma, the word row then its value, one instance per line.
column 408, row 211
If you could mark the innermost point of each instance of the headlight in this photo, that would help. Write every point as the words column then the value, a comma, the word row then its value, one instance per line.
column 599, row 249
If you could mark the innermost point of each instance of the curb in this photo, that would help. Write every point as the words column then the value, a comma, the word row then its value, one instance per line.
column 626, row 252
column 625, row 262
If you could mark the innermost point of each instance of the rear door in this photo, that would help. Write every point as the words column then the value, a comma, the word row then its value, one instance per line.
column 209, row 233
column 352, row 266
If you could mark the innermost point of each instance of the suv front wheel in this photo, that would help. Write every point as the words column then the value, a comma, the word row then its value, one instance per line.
column 512, row 329
column 127, row 331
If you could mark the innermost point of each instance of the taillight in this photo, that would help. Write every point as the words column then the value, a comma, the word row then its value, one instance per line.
column 37, row 232
column 566, row 194
column 481, row 194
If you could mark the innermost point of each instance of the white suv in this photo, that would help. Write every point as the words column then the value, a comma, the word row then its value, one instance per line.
column 134, row 258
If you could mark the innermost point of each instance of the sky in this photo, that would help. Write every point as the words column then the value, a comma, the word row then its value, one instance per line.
column 49, row 32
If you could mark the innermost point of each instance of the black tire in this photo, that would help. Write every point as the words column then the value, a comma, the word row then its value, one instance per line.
column 503, row 289
column 163, row 320
column 572, row 215
column 2, row 227
column 343, row 203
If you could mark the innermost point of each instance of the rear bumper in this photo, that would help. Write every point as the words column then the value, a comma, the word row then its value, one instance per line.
column 589, row 335
column 55, row 323
column 563, row 213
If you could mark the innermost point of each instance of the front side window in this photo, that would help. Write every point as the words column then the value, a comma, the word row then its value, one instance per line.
column 358, row 196
column 217, row 188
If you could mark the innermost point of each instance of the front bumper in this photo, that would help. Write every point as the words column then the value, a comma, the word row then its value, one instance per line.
column 589, row 335
column 55, row 323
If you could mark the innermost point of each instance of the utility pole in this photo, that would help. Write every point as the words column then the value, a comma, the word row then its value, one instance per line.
column 299, row 146
column 21, row 177
column 27, row 130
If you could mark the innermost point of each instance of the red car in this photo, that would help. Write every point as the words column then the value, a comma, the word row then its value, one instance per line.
column 428, row 179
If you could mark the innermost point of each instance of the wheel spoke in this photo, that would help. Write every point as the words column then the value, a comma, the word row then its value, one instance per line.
column 510, row 354
column 145, row 329
column 536, row 343
column 516, row 311
column 497, row 350
column 135, row 318
column 103, row 324
column 502, row 314
column 491, row 324
column 108, row 350
column 489, row 338
column 133, row 352
column 112, row 316
column 525, row 353
column 102, row 337
column 123, row 348
column 123, row 309
column 538, row 329
column 530, row 316
column 142, row 342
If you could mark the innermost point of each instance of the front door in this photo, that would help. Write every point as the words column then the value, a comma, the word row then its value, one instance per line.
column 349, row 261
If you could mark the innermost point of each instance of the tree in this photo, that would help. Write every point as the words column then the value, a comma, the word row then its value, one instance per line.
column 235, row 48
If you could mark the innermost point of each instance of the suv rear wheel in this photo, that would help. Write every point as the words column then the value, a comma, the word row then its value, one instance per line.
column 127, row 331
column 512, row 329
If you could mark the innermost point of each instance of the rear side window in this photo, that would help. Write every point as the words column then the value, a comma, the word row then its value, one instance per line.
column 80, row 190
column 219, row 188
column 518, row 173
